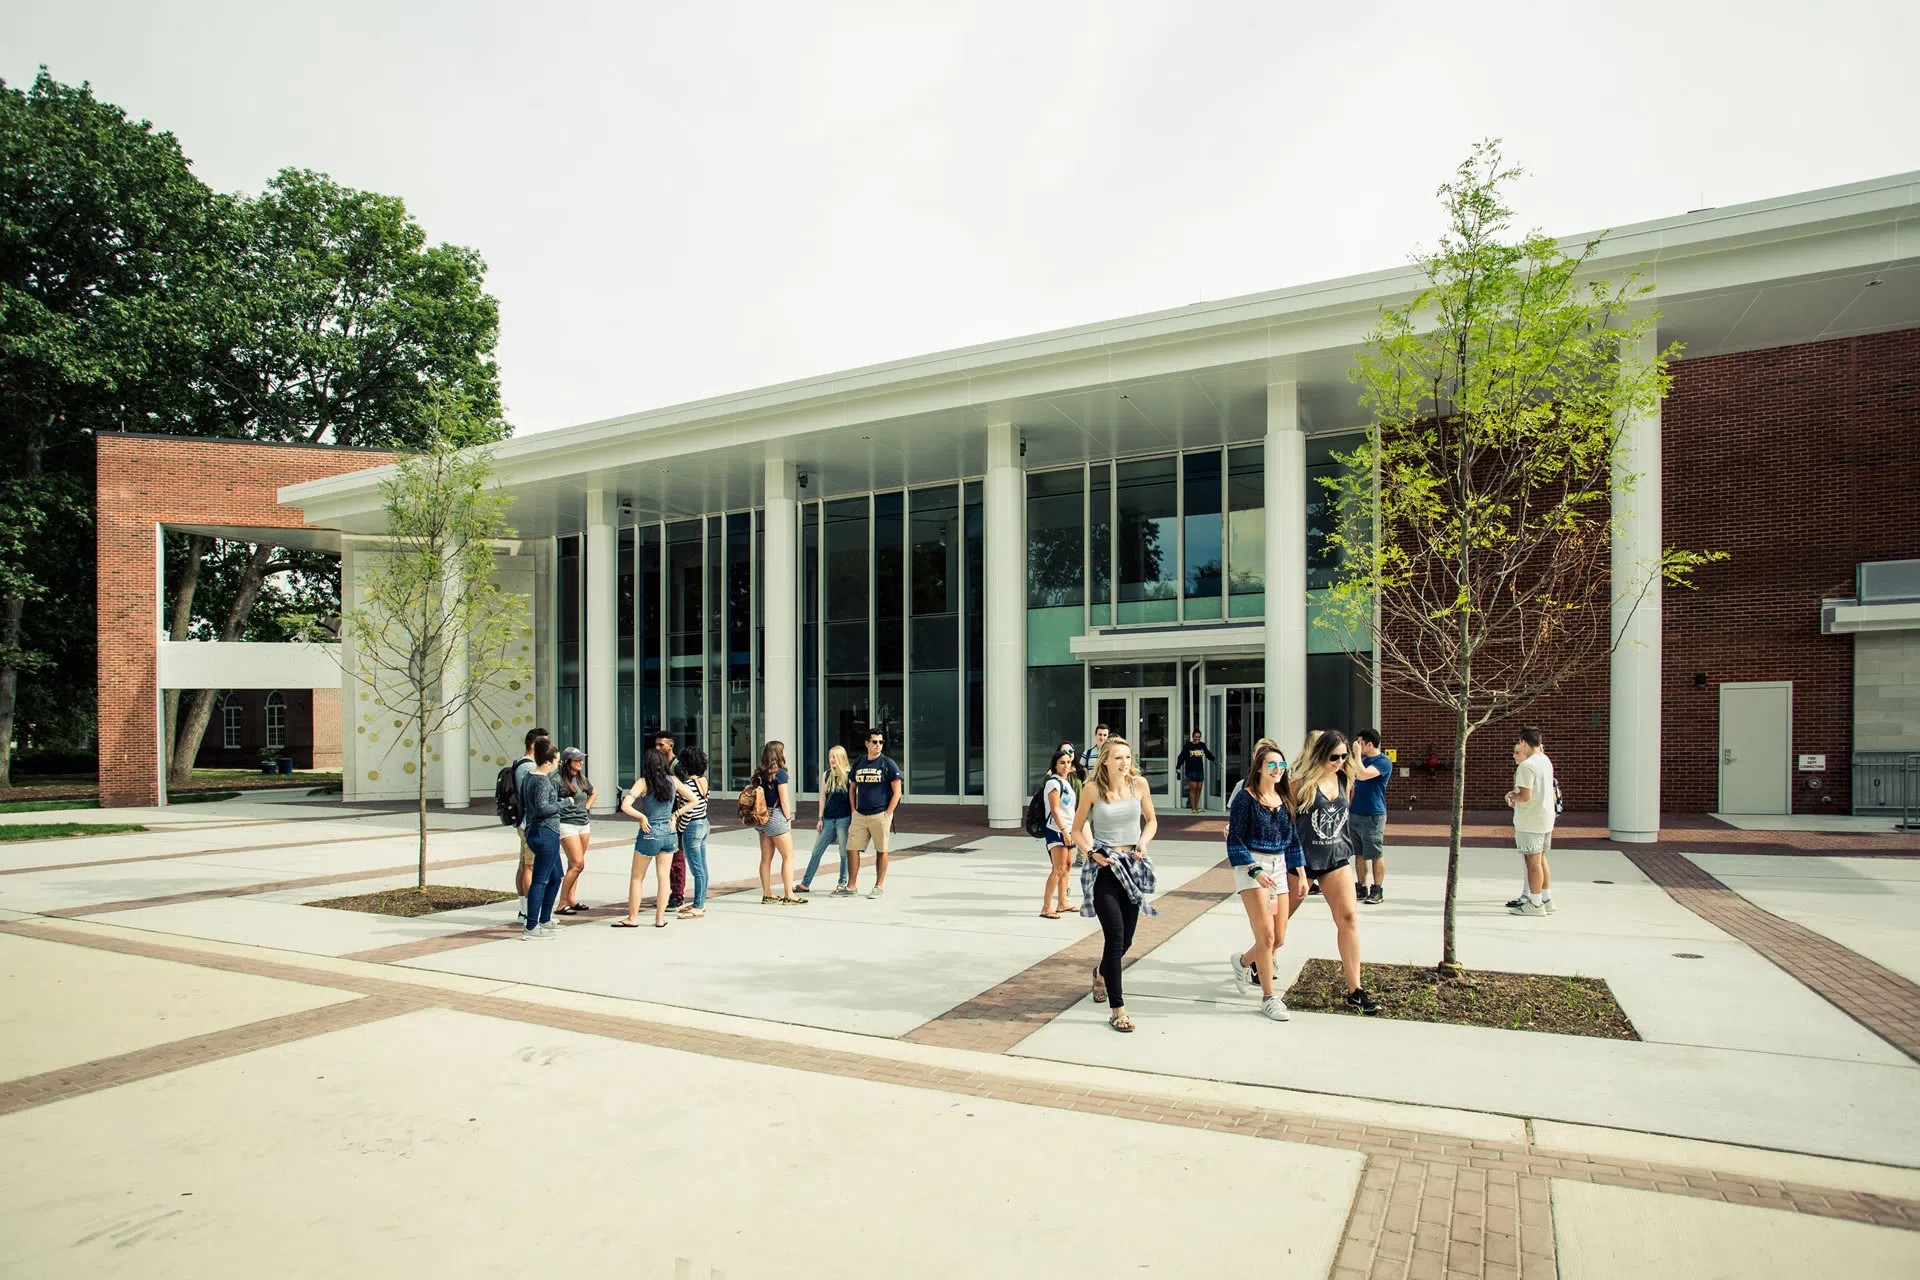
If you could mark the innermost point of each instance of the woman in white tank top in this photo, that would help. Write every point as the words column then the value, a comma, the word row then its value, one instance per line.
column 1114, row 821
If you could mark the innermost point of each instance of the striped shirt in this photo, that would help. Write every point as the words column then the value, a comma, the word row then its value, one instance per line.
column 692, row 812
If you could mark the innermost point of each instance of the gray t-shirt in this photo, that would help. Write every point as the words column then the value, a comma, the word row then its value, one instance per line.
column 573, row 808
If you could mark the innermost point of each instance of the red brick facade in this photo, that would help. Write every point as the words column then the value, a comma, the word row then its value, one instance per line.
column 144, row 482
column 1799, row 462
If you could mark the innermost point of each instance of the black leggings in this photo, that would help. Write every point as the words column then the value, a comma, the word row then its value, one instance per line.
column 1118, row 915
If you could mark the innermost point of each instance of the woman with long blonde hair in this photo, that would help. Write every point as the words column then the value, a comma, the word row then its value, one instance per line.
column 1263, row 850
column 776, row 832
column 836, row 814
column 1114, row 821
column 1320, row 797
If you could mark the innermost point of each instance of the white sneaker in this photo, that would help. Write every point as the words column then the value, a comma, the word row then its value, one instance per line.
column 877, row 892
column 548, row 930
column 1274, row 1007
column 1548, row 904
column 529, row 935
column 1242, row 973
column 1527, row 907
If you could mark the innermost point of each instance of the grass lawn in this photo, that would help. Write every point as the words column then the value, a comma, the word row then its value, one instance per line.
column 415, row 901
column 1508, row 1001
column 40, row 790
column 43, row 806
column 54, row 830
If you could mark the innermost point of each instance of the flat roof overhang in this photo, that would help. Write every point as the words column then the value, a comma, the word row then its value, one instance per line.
column 1839, row 262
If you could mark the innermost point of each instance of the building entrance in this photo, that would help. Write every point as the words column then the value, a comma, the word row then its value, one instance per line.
column 1236, row 716
column 1144, row 717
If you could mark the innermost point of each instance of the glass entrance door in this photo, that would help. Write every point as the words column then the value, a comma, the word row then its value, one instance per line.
column 1144, row 717
column 1236, row 718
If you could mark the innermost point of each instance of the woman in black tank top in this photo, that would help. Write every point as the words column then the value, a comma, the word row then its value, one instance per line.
column 1321, row 796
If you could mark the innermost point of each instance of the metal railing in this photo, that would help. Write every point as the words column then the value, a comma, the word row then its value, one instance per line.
column 1887, row 782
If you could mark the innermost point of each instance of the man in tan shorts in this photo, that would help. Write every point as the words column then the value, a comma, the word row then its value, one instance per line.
column 876, row 785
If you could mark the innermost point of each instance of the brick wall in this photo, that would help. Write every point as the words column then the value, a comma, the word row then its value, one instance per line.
column 146, row 481
column 1799, row 462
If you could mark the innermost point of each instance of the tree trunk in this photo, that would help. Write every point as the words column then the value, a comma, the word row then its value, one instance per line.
column 421, row 756
column 193, row 727
column 1450, row 965
column 179, row 625
column 13, row 612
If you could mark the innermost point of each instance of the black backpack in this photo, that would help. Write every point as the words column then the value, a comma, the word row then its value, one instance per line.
column 1037, row 814
column 506, row 794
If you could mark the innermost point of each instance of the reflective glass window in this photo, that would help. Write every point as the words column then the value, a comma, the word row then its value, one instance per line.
column 1200, row 484
column 1147, row 542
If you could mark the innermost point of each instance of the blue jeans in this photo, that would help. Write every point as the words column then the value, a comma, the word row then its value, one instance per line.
column 544, row 889
column 832, row 831
column 693, row 843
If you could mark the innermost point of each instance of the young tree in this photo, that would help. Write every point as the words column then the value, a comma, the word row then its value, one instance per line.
column 1473, row 527
column 427, row 628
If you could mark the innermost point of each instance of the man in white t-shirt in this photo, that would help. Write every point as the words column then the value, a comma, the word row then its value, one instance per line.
column 1533, row 803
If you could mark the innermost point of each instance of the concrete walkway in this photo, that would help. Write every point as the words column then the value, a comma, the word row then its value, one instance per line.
column 178, row 1030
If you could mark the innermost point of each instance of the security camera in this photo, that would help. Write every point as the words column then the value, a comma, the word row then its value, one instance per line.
column 803, row 479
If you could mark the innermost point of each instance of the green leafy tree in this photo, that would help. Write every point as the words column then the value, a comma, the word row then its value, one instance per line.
column 107, row 243
column 1476, row 517
column 340, row 325
column 426, row 627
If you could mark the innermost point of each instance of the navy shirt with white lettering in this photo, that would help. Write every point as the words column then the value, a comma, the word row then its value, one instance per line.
column 874, row 780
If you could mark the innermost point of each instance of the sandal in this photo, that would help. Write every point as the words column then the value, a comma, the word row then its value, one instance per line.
column 626, row 924
column 1120, row 1022
column 659, row 924
column 792, row 902
column 767, row 898
column 691, row 913
column 1069, row 909
column 1099, row 988
column 1049, row 915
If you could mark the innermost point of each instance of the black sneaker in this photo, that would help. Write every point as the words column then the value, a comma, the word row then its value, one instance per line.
column 1360, row 1002
column 1376, row 895
column 1313, row 888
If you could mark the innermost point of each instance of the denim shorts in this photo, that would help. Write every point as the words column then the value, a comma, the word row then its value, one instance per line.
column 775, row 826
column 654, row 843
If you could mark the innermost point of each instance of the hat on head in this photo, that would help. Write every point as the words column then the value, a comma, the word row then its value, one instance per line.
column 573, row 753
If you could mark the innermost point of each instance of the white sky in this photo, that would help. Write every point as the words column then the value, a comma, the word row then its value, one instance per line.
column 678, row 201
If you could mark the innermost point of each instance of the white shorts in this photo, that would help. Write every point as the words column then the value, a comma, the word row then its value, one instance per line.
column 570, row 829
column 1532, row 841
column 1272, row 864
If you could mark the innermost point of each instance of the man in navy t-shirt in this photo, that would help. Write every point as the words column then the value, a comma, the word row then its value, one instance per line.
column 876, row 788
column 1368, row 818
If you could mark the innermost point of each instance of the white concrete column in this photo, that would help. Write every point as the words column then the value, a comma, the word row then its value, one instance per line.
column 1633, row 713
column 780, row 596
column 603, row 639
column 456, row 772
column 1005, row 515
column 1286, row 547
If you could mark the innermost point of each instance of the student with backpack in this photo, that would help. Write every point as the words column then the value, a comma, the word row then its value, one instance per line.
column 766, row 804
column 1057, row 801
column 506, row 805
column 540, row 813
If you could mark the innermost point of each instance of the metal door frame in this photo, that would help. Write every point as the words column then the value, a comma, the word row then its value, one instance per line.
column 1720, row 745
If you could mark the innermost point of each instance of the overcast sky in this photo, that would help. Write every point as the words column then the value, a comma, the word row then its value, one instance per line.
column 681, row 200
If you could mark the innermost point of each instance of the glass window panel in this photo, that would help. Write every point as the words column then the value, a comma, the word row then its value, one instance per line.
column 889, row 584
column 890, row 716
column 935, row 729
column 1339, row 693
column 1323, row 559
column 846, row 560
column 975, row 622
column 1236, row 671
column 810, row 758
column 845, row 712
column 1147, row 540
column 650, row 635
column 1056, row 528
column 1200, row 522
column 1100, row 543
column 741, row 753
column 934, row 537
column 686, row 624
column 1050, row 634
column 566, row 716
column 1056, row 712
column 1135, row 675
column 760, row 632
column 1247, row 523
column 628, row 587
column 715, row 734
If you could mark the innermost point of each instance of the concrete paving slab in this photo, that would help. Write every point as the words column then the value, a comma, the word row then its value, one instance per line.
column 1687, row 1153
column 1848, row 1110
column 1867, row 905
column 64, row 1005
column 1605, row 1232
column 1835, row 823
column 417, row 1140
column 318, row 930
column 41, row 891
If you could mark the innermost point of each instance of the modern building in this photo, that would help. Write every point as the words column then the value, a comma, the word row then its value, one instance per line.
column 987, row 551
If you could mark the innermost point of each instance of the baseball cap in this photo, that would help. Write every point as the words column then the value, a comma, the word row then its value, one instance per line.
column 573, row 753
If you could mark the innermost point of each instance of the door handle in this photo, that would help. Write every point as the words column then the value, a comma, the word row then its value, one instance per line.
column 1726, row 755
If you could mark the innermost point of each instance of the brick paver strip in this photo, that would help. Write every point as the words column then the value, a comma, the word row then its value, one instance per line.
column 207, row 853
column 1427, row 1204
column 267, row 886
column 1878, row 999
column 140, row 1064
column 1005, row 1014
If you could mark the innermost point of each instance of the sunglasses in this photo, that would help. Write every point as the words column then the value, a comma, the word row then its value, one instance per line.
column 1276, row 764
column 1337, row 759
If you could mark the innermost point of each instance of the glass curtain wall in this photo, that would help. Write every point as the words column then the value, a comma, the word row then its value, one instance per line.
column 933, row 732
column 1147, row 548
column 571, row 624
column 1247, row 532
column 811, row 761
column 628, row 588
column 846, row 556
column 1201, row 550
column 889, row 622
column 1339, row 686
column 976, row 621
column 652, row 649
column 1056, row 611
column 741, row 752
column 686, row 624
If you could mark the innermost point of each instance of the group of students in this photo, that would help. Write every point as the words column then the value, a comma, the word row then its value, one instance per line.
column 552, row 798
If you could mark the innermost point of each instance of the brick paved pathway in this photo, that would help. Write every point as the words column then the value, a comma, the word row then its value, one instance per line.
column 1877, row 998
column 1427, row 1205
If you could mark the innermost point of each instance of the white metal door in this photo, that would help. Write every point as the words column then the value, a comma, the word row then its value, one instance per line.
column 1756, row 734
column 1144, row 717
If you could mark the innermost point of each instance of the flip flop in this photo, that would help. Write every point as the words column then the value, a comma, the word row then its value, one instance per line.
column 622, row 924
column 1049, row 915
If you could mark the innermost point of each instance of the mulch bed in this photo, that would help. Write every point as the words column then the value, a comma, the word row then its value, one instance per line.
column 1507, row 1001
column 415, row 901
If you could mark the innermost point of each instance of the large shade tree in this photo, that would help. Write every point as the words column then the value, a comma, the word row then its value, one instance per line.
column 1473, row 527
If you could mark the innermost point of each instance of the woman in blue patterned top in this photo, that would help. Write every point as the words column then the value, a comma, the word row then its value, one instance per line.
column 1264, row 851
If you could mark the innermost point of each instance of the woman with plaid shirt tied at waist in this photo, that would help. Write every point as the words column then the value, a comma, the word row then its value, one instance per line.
column 1114, row 822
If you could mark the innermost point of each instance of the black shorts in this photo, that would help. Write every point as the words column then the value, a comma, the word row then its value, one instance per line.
column 1314, row 873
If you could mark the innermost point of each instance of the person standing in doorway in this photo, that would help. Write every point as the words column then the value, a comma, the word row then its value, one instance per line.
column 876, row 782
column 1321, row 796
column 691, row 821
column 1061, row 800
column 1369, row 819
column 1263, row 849
column 1192, row 764
column 576, row 803
column 1114, row 822
column 540, row 812
column 836, row 815
column 1535, row 802
column 523, row 874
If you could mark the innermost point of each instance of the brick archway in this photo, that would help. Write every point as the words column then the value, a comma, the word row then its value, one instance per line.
column 143, row 484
